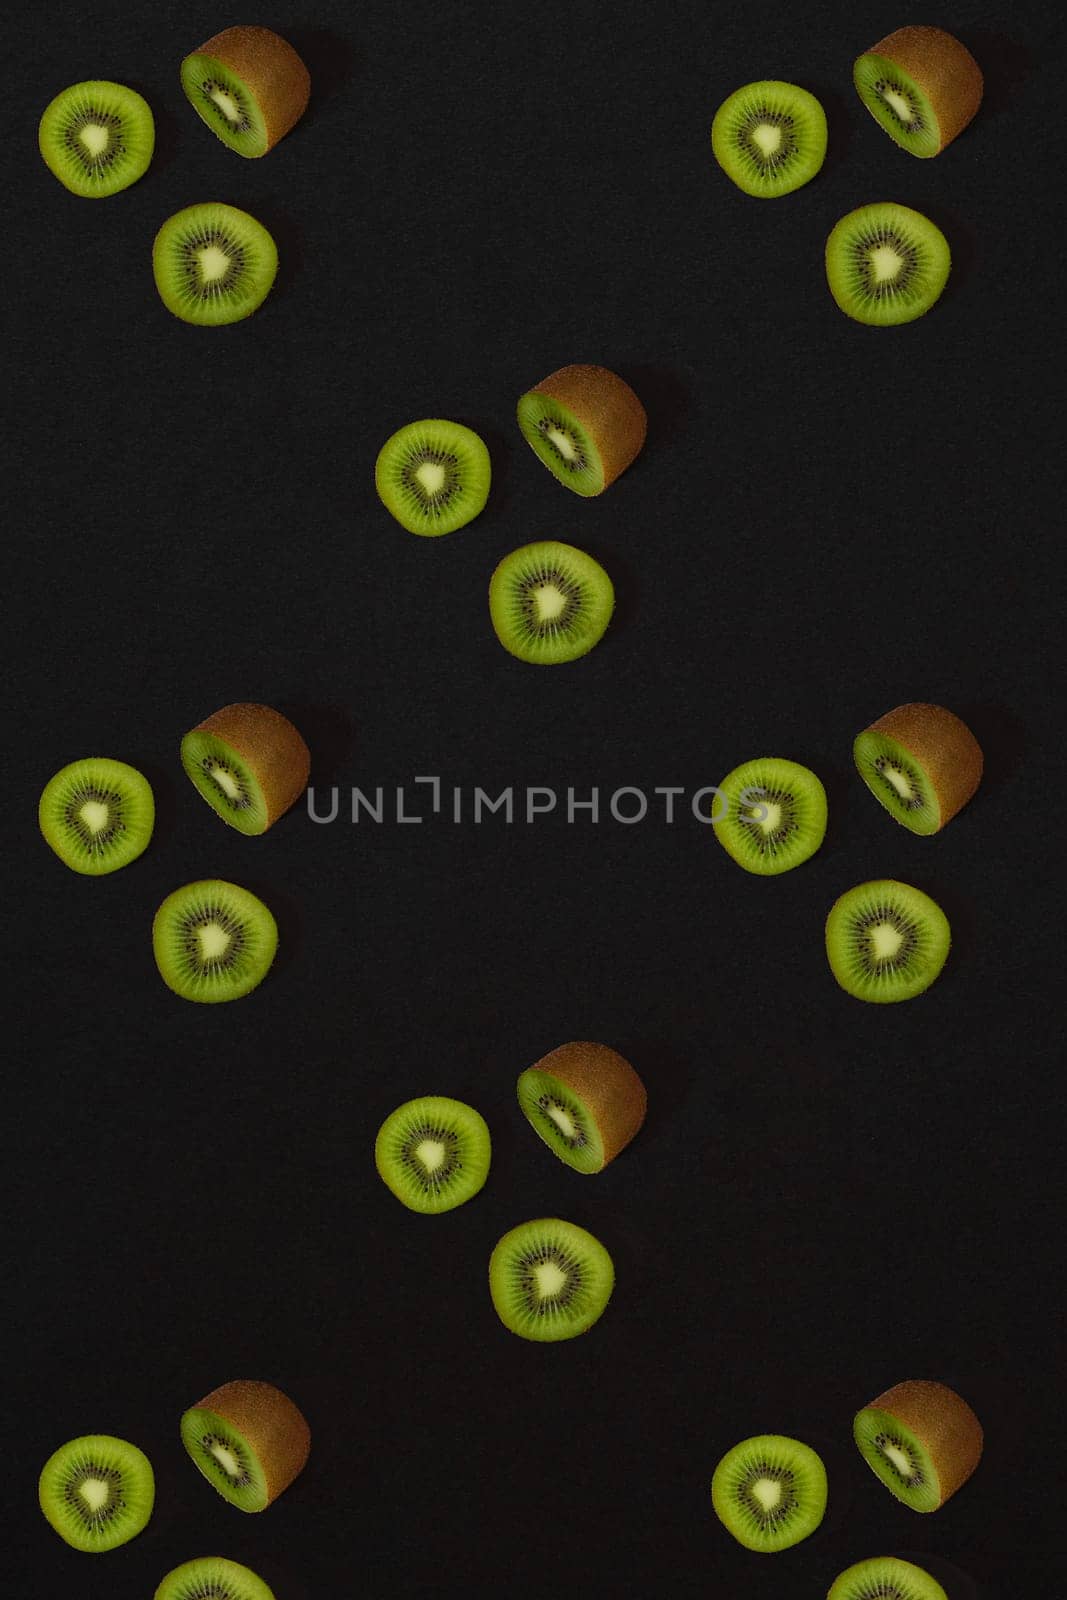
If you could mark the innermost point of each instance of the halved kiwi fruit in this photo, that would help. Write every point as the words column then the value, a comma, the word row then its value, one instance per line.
column 921, row 85
column 249, row 763
column 586, row 424
column 213, row 264
column 550, row 602
column 97, row 1492
column 249, row 1440
column 433, row 476
column 250, row 87
column 922, row 763
column 885, row 1578
column 550, row 1280
column 921, row 1439
column 97, row 815
column 212, row 1578
column 773, row 815
column 886, row 264
column 769, row 137
column 886, row 941
column 769, row 1492
column 97, row 137
column 585, row 1101
column 433, row 1153
column 213, row 941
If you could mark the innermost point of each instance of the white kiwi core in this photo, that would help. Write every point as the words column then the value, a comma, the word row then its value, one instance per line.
column 767, row 1492
column 897, row 103
column 226, row 104
column 886, row 941
column 550, row 602
column 226, row 1460
column 550, row 1279
column 563, row 444
column 214, row 941
column 95, row 138
column 95, row 1493
column 431, row 1152
column 431, row 475
column 95, row 814
column 226, row 782
column 899, row 781
column 885, row 263
column 899, row 1460
column 563, row 1120
column 767, row 138
column 768, row 815
column 214, row 263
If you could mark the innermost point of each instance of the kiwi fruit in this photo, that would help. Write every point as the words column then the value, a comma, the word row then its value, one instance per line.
column 250, row 87
column 773, row 815
column 922, row 763
column 213, row 264
column 433, row 476
column 586, row 424
column 212, row 1578
column 886, row 264
column 433, row 1153
column 213, row 941
column 549, row 1280
column 249, row 763
column 921, row 1439
column 769, row 1492
column 921, row 85
column 885, row 1578
column 769, row 138
column 97, row 138
column 97, row 815
column 550, row 602
column 886, row 941
column 585, row 1101
column 249, row 1440
column 97, row 1492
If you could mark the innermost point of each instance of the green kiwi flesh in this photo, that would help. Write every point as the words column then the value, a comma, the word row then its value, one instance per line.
column 212, row 1578
column 770, row 815
column 896, row 779
column 557, row 437
column 898, row 1457
column 97, row 1492
column 550, row 1280
column 213, row 941
column 898, row 104
column 433, row 476
column 433, row 1153
column 213, row 264
column 769, row 138
column 97, row 138
column 561, row 1119
column 549, row 602
column 225, row 103
column 886, row 941
column 885, row 1578
column 97, row 815
column 886, row 264
column 225, row 1457
column 769, row 1492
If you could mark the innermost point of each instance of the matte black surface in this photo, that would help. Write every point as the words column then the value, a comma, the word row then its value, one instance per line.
column 827, row 520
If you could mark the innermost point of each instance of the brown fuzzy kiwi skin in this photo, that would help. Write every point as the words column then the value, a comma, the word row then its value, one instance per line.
column 608, row 410
column 606, row 1084
column 268, row 743
column 944, row 1422
column 943, row 68
column 943, row 746
column 277, row 78
column 274, row 1427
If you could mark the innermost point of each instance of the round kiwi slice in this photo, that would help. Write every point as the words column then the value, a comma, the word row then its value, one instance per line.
column 769, row 1492
column 921, row 762
column 433, row 476
column 97, row 137
column 885, row 1578
column 773, row 815
column 249, row 763
column 585, row 1101
column 769, row 137
column 97, row 1492
column 921, row 1439
column 213, row 264
column 212, row 1578
column 886, row 264
column 550, row 1280
column 213, row 941
column 586, row 425
column 433, row 1153
column 550, row 602
column 886, row 941
column 97, row 815
column 921, row 85
column 249, row 1440
column 250, row 87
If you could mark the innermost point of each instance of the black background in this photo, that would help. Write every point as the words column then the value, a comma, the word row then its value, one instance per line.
column 827, row 520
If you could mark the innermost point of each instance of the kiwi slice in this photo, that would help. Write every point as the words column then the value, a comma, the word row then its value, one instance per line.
column 250, row 87
column 921, row 1439
column 769, row 137
column 586, row 425
column 550, row 602
column 886, row 264
column 249, row 763
column 885, row 1578
column 212, row 1578
column 213, row 941
column 769, row 1492
column 922, row 763
column 97, row 815
column 97, row 137
column 921, row 85
column 97, row 1492
column 433, row 1153
column 886, row 941
column 433, row 476
column 213, row 264
column 773, row 815
column 550, row 1280
column 249, row 1440
column 585, row 1101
